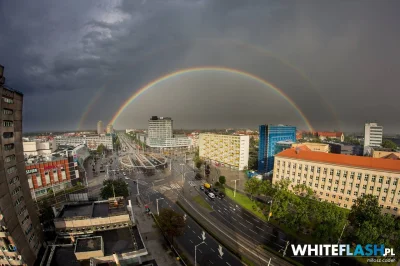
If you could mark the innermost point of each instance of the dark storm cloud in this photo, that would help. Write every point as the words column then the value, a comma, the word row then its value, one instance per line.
column 61, row 53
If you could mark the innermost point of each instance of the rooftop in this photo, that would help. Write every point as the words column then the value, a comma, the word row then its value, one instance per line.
column 88, row 244
column 92, row 209
column 341, row 159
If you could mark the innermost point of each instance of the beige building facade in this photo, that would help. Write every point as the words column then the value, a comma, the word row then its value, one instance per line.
column 229, row 150
column 319, row 147
column 341, row 179
column 382, row 154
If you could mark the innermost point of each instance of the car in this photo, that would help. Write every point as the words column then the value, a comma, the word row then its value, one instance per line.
column 124, row 173
column 221, row 195
column 207, row 191
column 201, row 187
column 211, row 195
column 215, row 189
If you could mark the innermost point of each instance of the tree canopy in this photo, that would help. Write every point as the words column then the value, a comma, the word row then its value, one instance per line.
column 120, row 188
column 251, row 186
column 101, row 148
column 386, row 143
column 222, row 180
column 171, row 222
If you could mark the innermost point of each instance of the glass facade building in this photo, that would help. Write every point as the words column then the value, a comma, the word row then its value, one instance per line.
column 269, row 136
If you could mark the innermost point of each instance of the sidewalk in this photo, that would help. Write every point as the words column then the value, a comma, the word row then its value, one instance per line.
column 153, row 239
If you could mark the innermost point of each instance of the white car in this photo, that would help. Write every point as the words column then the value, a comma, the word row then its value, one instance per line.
column 124, row 174
column 211, row 195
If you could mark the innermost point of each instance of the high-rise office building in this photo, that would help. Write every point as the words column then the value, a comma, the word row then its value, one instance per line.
column 100, row 127
column 109, row 129
column 160, row 127
column 20, row 229
column 269, row 136
column 372, row 135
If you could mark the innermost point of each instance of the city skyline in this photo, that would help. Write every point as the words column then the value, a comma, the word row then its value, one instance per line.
column 332, row 64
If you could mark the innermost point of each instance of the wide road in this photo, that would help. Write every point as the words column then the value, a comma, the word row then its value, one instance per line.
column 208, row 253
column 255, row 229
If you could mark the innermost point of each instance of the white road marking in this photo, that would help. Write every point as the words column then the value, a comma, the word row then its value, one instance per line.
column 252, row 231
column 248, row 221
column 191, row 241
column 228, row 263
column 242, row 224
column 220, row 257
column 234, row 219
column 200, row 251
column 336, row 263
column 314, row 262
column 199, row 237
column 189, row 226
column 193, row 232
column 260, row 228
column 212, row 250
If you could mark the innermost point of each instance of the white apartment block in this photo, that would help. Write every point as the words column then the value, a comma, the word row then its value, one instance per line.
column 373, row 135
column 230, row 150
column 92, row 141
column 341, row 179
column 160, row 128
column 100, row 127
column 37, row 147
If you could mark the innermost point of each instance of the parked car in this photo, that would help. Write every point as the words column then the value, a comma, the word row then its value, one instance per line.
column 206, row 185
column 201, row 187
column 211, row 195
column 221, row 195
column 207, row 191
column 215, row 189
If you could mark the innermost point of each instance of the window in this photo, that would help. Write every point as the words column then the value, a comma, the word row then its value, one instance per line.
column 371, row 188
column 395, row 182
column 388, row 207
column 342, row 191
column 380, row 179
column 7, row 111
column 312, row 168
column 325, row 171
column 330, row 180
column 373, row 178
column 335, row 189
column 344, row 173
column 366, row 177
column 352, row 175
column 322, row 186
column 30, row 182
column 340, row 197
column 348, row 192
column 357, row 185
column 345, row 205
column 331, row 172
column 337, row 182
column 316, row 184
column 383, row 198
column 11, row 170
column 8, row 135
column 359, row 176
column 364, row 186
column 10, row 158
column 385, row 190
column 8, row 123
column 378, row 189
column 355, row 193
column 327, row 194
column 388, row 180
column 323, row 179
column 9, row 147
column 392, row 191
column 306, row 168
column 318, row 170
column 338, row 173
column 329, row 188
column 299, row 174
column 7, row 100
column 14, row 180
column 317, row 178
column 310, row 184
column 343, row 183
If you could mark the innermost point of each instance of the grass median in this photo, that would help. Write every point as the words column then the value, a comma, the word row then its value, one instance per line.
column 199, row 200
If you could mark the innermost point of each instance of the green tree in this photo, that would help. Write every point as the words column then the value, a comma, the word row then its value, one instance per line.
column 100, row 148
column 110, row 186
column 251, row 186
column 366, row 208
column 199, row 162
column 171, row 223
column 266, row 188
column 222, row 180
column 253, row 162
column 46, row 212
column 389, row 144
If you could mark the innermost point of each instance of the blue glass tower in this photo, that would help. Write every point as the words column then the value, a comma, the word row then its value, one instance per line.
column 269, row 136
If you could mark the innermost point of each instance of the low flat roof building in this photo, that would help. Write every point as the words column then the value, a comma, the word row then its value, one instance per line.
column 341, row 179
column 92, row 233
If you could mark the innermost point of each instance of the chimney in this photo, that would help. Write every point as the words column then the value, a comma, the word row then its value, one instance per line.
column 116, row 259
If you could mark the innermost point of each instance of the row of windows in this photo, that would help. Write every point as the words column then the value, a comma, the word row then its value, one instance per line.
column 18, row 201
column 9, row 147
column 15, row 191
column 21, row 212
column 338, row 172
column 371, row 188
column 29, row 229
column 7, row 111
column 12, row 170
column 366, row 178
column 31, row 238
column 8, row 135
column 10, row 158
column 8, row 123
column 14, row 180
column 8, row 100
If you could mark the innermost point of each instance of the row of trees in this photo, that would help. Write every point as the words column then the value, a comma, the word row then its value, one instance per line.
column 300, row 209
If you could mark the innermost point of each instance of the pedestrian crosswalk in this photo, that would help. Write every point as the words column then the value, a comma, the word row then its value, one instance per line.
column 164, row 188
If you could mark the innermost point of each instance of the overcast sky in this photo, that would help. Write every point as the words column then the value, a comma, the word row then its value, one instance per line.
column 339, row 61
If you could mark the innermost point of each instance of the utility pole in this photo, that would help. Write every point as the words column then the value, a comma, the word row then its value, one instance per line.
column 341, row 234
column 234, row 192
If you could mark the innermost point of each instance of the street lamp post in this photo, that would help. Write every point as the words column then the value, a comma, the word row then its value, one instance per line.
column 234, row 192
column 158, row 213
column 137, row 186
column 195, row 252
column 270, row 207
